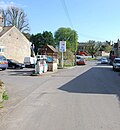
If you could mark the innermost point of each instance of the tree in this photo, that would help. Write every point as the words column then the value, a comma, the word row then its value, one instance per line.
column 14, row 16
column 41, row 39
column 108, row 48
column 68, row 35
column 27, row 35
column 36, row 39
column 4, row 13
column 47, row 38
column 92, row 47
column 105, row 46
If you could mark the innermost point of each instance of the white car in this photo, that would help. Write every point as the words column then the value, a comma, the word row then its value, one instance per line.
column 104, row 60
column 116, row 64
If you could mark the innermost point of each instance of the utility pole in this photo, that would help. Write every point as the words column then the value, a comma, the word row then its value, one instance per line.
column 74, row 49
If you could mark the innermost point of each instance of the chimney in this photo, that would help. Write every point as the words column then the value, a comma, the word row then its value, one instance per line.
column 1, row 22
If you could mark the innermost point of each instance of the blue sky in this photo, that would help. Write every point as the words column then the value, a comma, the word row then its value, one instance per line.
column 97, row 20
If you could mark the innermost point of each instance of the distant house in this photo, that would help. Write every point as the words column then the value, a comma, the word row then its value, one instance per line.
column 116, row 49
column 13, row 44
column 82, row 49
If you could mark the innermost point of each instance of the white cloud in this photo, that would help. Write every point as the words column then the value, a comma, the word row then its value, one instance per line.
column 4, row 5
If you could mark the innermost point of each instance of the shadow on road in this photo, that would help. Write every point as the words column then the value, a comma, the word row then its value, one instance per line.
column 98, row 80
column 20, row 72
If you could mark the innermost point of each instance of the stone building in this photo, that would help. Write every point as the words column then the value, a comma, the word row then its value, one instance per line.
column 13, row 44
column 116, row 49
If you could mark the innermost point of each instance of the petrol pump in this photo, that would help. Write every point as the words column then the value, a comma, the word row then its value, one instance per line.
column 41, row 65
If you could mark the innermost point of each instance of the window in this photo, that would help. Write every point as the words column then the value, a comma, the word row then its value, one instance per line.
column 117, row 61
column 1, row 49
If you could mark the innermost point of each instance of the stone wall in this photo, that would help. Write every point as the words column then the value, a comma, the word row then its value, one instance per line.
column 16, row 46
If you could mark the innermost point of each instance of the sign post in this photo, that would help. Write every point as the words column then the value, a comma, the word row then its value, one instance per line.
column 62, row 48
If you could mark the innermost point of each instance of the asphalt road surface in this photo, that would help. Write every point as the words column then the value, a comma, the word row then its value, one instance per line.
column 80, row 98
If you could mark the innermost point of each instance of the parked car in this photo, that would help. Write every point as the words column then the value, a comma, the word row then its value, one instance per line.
column 78, row 57
column 30, row 61
column 81, row 61
column 3, row 62
column 15, row 64
column 104, row 60
column 116, row 64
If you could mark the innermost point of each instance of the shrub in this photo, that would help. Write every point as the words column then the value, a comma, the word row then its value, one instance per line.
column 3, row 94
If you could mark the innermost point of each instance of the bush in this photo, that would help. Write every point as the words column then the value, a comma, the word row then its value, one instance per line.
column 3, row 94
column 68, row 58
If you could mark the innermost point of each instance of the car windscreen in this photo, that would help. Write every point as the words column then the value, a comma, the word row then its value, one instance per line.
column 116, row 61
column 14, row 61
column 2, row 58
column 104, row 59
column 78, row 57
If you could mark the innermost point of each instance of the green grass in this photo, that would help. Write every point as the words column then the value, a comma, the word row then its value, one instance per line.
column 90, row 58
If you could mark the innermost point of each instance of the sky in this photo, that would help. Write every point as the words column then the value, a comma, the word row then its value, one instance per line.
column 97, row 20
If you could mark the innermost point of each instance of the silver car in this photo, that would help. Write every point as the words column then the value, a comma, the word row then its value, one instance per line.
column 104, row 60
column 3, row 63
column 116, row 64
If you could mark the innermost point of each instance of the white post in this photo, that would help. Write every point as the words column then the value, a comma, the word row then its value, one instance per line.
column 62, row 60
column 62, row 48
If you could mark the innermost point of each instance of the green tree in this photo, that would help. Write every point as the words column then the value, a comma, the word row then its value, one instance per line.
column 105, row 46
column 68, row 35
column 27, row 35
column 36, row 40
column 108, row 48
column 92, row 47
column 47, row 38
column 41, row 39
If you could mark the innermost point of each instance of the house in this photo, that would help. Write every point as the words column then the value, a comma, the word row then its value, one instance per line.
column 82, row 49
column 13, row 44
column 115, row 50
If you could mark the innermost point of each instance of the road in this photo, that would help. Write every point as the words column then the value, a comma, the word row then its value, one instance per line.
column 80, row 98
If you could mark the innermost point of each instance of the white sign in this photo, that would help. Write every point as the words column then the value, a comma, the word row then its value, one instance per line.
column 62, row 46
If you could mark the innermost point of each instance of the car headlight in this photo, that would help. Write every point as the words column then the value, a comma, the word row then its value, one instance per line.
column 117, row 66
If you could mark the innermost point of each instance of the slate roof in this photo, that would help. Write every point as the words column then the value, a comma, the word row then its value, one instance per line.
column 5, row 29
column 52, row 48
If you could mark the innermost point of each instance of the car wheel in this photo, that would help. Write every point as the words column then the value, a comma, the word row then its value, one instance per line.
column 13, row 67
column 3, row 68
column 33, row 66
column 113, row 68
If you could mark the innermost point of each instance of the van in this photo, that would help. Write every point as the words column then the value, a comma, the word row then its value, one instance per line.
column 30, row 61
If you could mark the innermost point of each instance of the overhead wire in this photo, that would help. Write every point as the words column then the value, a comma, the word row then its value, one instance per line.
column 67, row 12
column 71, row 24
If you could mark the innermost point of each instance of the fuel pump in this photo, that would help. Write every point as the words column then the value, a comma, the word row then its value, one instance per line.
column 41, row 65
column 38, row 67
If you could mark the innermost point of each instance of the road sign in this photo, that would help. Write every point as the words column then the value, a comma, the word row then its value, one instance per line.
column 62, row 46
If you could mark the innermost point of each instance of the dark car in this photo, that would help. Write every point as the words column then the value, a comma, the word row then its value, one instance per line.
column 3, row 63
column 15, row 64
